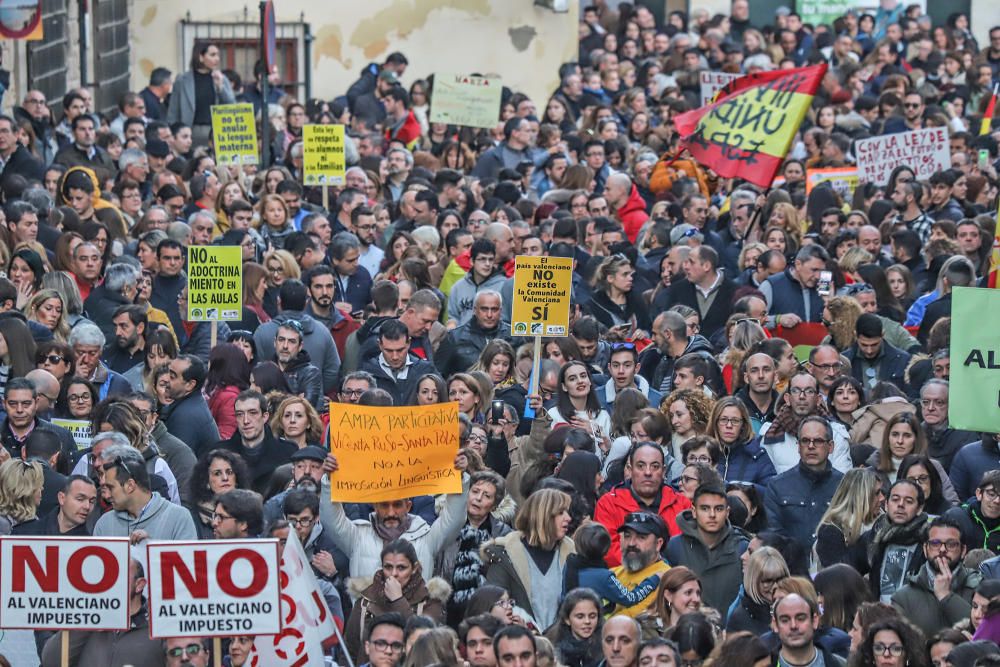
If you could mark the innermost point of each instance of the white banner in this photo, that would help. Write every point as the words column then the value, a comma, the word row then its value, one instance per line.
column 64, row 583
column 925, row 151
column 308, row 621
column 713, row 82
column 219, row 588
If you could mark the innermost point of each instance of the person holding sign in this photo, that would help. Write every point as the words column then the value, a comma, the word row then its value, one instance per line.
column 362, row 541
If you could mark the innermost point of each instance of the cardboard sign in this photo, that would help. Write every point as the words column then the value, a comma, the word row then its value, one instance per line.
column 974, row 385
column 79, row 428
column 843, row 180
column 323, row 161
column 542, row 289
column 925, row 151
column 218, row 587
column 713, row 82
column 473, row 101
column 393, row 453
column 64, row 583
column 234, row 134
column 215, row 283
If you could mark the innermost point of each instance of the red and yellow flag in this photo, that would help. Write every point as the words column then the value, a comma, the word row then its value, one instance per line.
column 993, row 279
column 746, row 131
column 984, row 128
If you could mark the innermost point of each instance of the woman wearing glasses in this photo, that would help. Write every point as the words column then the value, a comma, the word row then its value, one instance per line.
column 892, row 642
column 398, row 586
column 743, row 459
column 81, row 397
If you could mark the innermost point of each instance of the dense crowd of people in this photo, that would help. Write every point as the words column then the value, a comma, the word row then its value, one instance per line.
column 685, row 480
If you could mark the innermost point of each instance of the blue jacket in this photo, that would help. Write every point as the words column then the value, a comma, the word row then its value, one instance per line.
column 969, row 464
column 357, row 291
column 796, row 500
column 788, row 296
column 892, row 363
column 747, row 463
column 607, row 586
column 190, row 421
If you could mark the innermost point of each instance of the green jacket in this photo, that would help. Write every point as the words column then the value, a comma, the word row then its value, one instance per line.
column 917, row 602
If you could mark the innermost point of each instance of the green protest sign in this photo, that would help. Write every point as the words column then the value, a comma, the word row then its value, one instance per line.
column 974, row 396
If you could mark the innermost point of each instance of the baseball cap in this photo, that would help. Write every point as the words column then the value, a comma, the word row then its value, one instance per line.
column 646, row 523
column 388, row 75
column 309, row 453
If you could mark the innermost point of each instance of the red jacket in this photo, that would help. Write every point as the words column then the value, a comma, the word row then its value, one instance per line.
column 633, row 214
column 222, row 405
column 616, row 504
column 408, row 133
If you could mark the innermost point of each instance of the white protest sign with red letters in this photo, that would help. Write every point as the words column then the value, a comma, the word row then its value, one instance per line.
column 713, row 82
column 924, row 151
column 219, row 588
column 64, row 583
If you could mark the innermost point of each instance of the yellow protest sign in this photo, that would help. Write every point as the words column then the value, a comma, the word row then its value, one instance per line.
column 323, row 160
column 843, row 180
column 79, row 429
column 473, row 101
column 393, row 453
column 234, row 134
column 215, row 283
column 542, row 288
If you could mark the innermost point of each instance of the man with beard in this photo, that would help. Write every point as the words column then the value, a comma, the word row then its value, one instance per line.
column 129, row 346
column 362, row 540
column 940, row 594
column 895, row 539
column 795, row 620
column 709, row 546
column 238, row 515
column 641, row 543
column 304, row 378
column 906, row 200
column 307, row 474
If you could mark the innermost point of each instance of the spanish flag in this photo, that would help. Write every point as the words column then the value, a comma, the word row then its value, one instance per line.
column 747, row 129
column 988, row 114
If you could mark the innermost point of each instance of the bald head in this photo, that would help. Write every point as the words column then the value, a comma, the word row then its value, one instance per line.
column 617, row 189
column 620, row 639
column 47, row 387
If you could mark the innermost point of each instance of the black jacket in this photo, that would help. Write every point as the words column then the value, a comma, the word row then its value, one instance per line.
column 262, row 459
column 934, row 312
column 100, row 307
column 304, row 378
column 399, row 388
column 190, row 421
column 69, row 450
column 23, row 163
column 663, row 377
column 611, row 314
column 684, row 292
column 892, row 363
column 461, row 348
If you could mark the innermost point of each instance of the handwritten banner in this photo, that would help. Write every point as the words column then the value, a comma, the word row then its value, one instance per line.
column 925, row 151
column 713, row 82
column 473, row 101
column 234, row 134
column 323, row 161
column 393, row 453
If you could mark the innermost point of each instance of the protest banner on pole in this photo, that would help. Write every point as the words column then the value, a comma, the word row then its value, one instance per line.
column 473, row 101
column 308, row 628
column 216, row 587
column 392, row 453
column 713, row 82
column 64, row 583
column 843, row 180
column 542, row 290
column 215, row 283
column 925, row 151
column 323, row 161
column 234, row 134
column 79, row 429
column 974, row 383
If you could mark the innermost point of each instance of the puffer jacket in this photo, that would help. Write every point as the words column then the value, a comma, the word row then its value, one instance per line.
column 747, row 462
column 305, row 379
column 719, row 568
column 632, row 214
column 870, row 420
column 616, row 504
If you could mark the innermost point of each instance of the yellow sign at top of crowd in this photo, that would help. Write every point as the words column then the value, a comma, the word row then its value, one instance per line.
column 234, row 134
column 542, row 290
column 323, row 161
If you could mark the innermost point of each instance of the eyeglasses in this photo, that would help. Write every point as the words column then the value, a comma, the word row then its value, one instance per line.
column 858, row 288
column 950, row 545
column 506, row 603
column 991, row 494
column 54, row 359
column 190, row 649
column 615, row 347
column 478, row 438
column 800, row 391
column 388, row 647
column 704, row 458
column 813, row 442
column 911, row 105
column 79, row 398
column 920, row 479
column 687, row 479
column 826, row 367
column 730, row 421
column 35, row 100
column 300, row 521
column 221, row 517
column 894, row 650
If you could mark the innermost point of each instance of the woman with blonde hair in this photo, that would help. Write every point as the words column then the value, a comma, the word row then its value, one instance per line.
column 615, row 304
column 688, row 412
column 274, row 221
column 468, row 393
column 856, row 504
column 539, row 546
column 840, row 315
column 48, row 309
column 297, row 420
column 280, row 266
column 764, row 569
column 497, row 361
column 20, row 493
column 786, row 216
column 852, row 259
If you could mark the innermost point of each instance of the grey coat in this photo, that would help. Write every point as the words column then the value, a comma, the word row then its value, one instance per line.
column 182, row 99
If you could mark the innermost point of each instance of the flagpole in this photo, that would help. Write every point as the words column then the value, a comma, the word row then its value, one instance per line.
column 343, row 645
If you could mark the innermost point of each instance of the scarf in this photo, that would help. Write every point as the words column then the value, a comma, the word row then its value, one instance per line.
column 467, row 575
column 415, row 591
column 786, row 421
column 389, row 534
column 886, row 532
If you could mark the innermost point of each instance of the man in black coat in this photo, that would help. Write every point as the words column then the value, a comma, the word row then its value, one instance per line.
column 15, row 158
column 395, row 369
column 872, row 358
column 254, row 441
column 705, row 288
column 44, row 447
column 461, row 348
column 188, row 417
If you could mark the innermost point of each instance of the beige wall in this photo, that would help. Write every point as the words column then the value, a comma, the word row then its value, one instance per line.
column 522, row 43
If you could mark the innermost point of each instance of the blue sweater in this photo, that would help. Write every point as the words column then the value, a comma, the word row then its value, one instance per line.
column 603, row 582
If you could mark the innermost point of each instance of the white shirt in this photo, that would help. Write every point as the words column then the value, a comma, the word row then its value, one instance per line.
column 371, row 259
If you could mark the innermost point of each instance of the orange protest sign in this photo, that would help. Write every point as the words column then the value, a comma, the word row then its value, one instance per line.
column 393, row 453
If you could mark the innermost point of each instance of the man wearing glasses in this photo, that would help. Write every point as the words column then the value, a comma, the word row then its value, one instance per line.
column 797, row 498
column 940, row 594
column 384, row 643
column 36, row 109
column 15, row 158
column 979, row 518
column 186, row 652
column 239, row 514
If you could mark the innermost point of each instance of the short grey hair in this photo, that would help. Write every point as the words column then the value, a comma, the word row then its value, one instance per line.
column 487, row 292
column 120, row 446
column 129, row 157
column 406, row 154
column 86, row 333
column 935, row 381
column 179, row 231
column 119, row 276
column 342, row 242
column 200, row 214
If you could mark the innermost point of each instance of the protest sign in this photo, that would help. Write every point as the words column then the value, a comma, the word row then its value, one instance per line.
column 473, row 101
column 824, row 12
column 64, row 583
column 215, row 283
column 323, row 161
column 218, row 587
column 974, row 397
column 843, row 180
column 393, row 453
column 925, row 151
column 542, row 289
column 712, row 82
column 307, row 624
column 234, row 134
column 79, row 429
